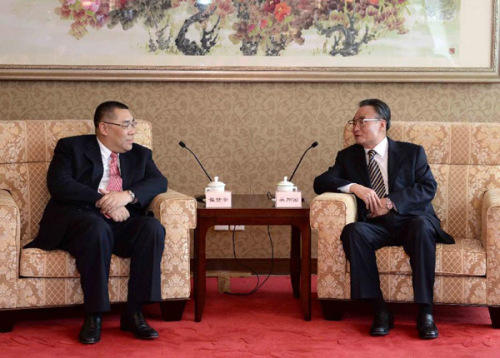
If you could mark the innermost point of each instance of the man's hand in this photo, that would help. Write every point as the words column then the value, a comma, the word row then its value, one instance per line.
column 113, row 200
column 119, row 215
column 381, row 210
column 369, row 196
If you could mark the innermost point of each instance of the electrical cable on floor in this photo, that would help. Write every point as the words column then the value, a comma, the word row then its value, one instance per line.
column 258, row 285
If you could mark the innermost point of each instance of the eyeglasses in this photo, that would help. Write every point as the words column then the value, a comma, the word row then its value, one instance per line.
column 124, row 125
column 362, row 121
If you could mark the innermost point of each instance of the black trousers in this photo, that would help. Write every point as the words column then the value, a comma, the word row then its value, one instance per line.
column 418, row 238
column 91, row 239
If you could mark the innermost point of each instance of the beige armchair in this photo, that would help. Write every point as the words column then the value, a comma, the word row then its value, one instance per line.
column 465, row 160
column 33, row 278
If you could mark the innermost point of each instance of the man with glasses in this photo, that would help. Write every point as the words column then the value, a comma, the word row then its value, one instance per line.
column 100, row 186
column 394, row 186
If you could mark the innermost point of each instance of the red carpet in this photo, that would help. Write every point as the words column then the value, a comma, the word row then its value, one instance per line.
column 268, row 323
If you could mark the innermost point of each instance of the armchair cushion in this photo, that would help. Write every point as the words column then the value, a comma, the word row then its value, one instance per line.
column 58, row 263
column 465, row 258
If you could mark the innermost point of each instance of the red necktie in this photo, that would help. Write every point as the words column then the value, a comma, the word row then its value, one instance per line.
column 115, row 180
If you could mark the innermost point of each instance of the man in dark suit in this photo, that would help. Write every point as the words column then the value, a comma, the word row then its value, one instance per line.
column 394, row 187
column 100, row 186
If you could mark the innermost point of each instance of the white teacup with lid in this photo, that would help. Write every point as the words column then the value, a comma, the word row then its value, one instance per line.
column 286, row 185
column 216, row 186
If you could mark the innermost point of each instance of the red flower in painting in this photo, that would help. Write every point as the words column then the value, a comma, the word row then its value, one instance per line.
column 121, row 4
column 224, row 7
column 374, row 2
column 281, row 11
column 270, row 5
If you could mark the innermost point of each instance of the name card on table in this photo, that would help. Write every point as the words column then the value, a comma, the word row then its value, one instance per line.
column 214, row 199
column 288, row 199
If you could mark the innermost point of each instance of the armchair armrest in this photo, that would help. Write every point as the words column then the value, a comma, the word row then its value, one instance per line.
column 10, row 234
column 330, row 212
column 344, row 206
column 490, row 237
column 174, row 208
column 177, row 213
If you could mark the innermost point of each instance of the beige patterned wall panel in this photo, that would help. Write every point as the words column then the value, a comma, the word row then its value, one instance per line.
column 250, row 134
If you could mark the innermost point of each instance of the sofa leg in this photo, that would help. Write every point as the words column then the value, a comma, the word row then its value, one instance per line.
column 172, row 310
column 7, row 320
column 332, row 309
column 495, row 316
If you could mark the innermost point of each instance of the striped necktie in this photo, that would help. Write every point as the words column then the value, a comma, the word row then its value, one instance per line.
column 375, row 175
column 115, row 180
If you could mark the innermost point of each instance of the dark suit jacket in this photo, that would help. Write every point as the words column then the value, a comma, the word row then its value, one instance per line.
column 411, row 183
column 73, row 179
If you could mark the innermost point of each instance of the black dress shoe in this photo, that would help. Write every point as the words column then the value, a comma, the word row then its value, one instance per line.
column 91, row 330
column 382, row 324
column 136, row 324
column 427, row 329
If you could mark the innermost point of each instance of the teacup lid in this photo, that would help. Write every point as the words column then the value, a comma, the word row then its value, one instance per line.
column 285, row 182
column 216, row 183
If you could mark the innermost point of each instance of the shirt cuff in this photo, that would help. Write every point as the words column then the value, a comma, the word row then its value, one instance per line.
column 345, row 188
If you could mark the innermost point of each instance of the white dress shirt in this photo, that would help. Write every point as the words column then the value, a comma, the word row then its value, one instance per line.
column 382, row 159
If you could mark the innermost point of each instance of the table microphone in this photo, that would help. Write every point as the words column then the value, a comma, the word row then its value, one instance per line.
column 315, row 144
column 183, row 145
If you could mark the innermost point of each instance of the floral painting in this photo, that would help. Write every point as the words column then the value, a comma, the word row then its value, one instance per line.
column 248, row 35
column 254, row 27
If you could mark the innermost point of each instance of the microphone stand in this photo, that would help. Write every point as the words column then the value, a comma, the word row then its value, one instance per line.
column 183, row 145
column 200, row 198
column 313, row 145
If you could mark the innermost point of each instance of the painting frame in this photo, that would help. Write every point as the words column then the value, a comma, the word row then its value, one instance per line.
column 250, row 73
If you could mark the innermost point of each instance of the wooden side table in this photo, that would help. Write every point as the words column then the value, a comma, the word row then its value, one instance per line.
column 257, row 210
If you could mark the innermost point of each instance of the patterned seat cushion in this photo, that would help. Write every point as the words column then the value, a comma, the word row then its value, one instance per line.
column 466, row 258
column 58, row 263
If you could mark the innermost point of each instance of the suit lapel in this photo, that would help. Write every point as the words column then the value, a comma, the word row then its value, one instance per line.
column 126, row 166
column 93, row 153
column 360, row 160
column 394, row 162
